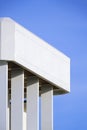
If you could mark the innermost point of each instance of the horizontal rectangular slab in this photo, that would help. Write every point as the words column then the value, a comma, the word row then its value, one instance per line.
column 23, row 47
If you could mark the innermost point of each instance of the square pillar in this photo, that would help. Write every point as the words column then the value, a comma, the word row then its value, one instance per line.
column 33, row 103
column 47, row 107
column 3, row 95
column 17, row 99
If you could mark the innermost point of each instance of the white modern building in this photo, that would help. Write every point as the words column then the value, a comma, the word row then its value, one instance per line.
column 29, row 68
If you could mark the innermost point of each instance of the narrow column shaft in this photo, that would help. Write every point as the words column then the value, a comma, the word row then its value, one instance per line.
column 17, row 99
column 47, row 107
column 33, row 104
column 3, row 95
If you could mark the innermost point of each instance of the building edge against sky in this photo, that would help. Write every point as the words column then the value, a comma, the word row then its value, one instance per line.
column 29, row 68
column 22, row 47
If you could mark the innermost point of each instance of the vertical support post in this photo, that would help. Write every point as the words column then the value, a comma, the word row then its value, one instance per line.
column 17, row 99
column 9, row 109
column 33, row 103
column 46, row 107
column 3, row 95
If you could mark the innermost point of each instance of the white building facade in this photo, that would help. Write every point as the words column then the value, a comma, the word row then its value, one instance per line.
column 29, row 68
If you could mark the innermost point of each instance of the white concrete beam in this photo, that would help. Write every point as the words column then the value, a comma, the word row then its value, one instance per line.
column 3, row 95
column 33, row 104
column 36, row 56
column 47, row 107
column 17, row 99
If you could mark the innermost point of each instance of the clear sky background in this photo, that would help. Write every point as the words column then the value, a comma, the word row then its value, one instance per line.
column 63, row 24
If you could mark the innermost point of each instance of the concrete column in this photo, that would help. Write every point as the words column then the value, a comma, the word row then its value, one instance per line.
column 17, row 99
column 47, row 107
column 33, row 103
column 3, row 95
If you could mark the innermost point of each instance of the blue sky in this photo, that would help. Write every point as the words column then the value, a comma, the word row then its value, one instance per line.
column 63, row 24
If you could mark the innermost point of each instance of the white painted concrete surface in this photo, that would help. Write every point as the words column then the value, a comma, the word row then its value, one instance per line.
column 24, row 121
column 3, row 95
column 21, row 46
column 17, row 99
column 33, row 104
column 47, row 107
